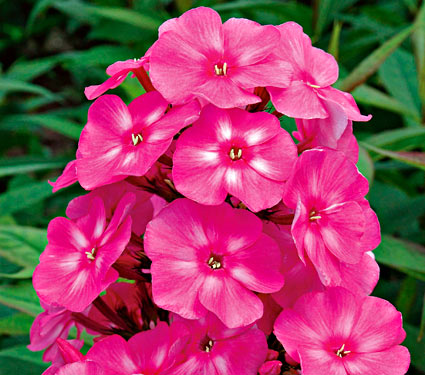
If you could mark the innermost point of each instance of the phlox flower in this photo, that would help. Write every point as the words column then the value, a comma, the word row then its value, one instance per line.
column 333, row 222
column 53, row 323
column 340, row 333
column 68, row 351
column 302, row 277
column 314, row 71
column 76, row 264
column 233, row 151
column 151, row 352
column 198, row 56
column 145, row 207
column 67, row 178
column 211, row 258
column 214, row 349
column 120, row 141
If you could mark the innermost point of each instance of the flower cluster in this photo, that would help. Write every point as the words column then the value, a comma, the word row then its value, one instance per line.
column 210, row 242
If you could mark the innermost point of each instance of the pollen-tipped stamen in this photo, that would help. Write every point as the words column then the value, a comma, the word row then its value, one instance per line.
column 136, row 138
column 90, row 254
column 235, row 153
column 220, row 71
column 313, row 216
column 214, row 264
column 341, row 352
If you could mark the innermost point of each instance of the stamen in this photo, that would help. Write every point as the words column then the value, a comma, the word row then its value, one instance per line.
column 314, row 86
column 341, row 352
column 209, row 346
column 136, row 138
column 313, row 216
column 214, row 263
column 220, row 71
column 90, row 254
column 225, row 68
column 235, row 153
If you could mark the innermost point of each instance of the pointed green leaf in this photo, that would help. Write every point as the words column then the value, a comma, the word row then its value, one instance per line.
column 21, row 297
column 371, row 63
column 10, row 166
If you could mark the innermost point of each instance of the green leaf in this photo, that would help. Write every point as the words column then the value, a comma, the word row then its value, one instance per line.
column 401, row 254
column 418, row 39
column 416, row 159
column 246, row 4
column 365, row 94
column 16, row 324
column 398, row 74
column 14, row 85
column 365, row 165
column 10, row 166
column 20, row 198
column 416, row 349
column 28, row 70
column 91, row 13
column 371, row 63
column 422, row 326
column 52, row 122
column 21, row 297
column 400, row 138
column 333, row 47
column 22, row 353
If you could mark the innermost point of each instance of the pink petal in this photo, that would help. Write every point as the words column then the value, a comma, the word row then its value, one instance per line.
column 345, row 101
column 374, row 335
column 256, row 268
column 394, row 361
column 298, row 100
column 323, row 67
column 67, row 178
column 175, row 286
column 342, row 227
column 114, row 354
column 243, row 182
column 229, row 300
column 92, row 92
column 224, row 93
column 82, row 368
column 146, row 109
column 317, row 361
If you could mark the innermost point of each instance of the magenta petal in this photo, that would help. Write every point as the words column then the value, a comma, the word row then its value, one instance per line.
column 230, row 301
column 345, row 101
column 323, row 67
column 82, row 368
column 115, row 355
column 219, row 89
column 251, row 266
column 92, row 92
column 146, row 109
column 342, row 227
column 298, row 100
column 67, row 178
column 244, row 183
column 393, row 361
column 316, row 361
column 372, row 335
column 246, row 42
column 175, row 287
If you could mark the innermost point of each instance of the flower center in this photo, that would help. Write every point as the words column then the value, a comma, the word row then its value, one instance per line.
column 341, row 352
column 215, row 262
column 235, row 153
column 206, row 344
column 314, row 216
column 220, row 69
column 136, row 138
column 91, row 254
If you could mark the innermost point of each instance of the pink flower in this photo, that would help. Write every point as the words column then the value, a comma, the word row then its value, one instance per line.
column 314, row 71
column 198, row 56
column 76, row 264
column 333, row 223
column 340, row 333
column 118, row 71
column 55, row 322
column 302, row 277
column 82, row 368
column 118, row 141
column 67, row 352
column 216, row 350
column 150, row 352
column 145, row 207
column 335, row 132
column 211, row 258
column 233, row 151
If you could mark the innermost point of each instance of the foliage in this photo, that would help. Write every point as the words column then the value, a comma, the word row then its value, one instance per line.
column 51, row 49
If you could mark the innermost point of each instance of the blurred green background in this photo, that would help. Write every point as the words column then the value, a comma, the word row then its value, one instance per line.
column 51, row 49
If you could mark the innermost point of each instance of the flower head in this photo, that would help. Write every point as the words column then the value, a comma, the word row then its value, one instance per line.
column 211, row 258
